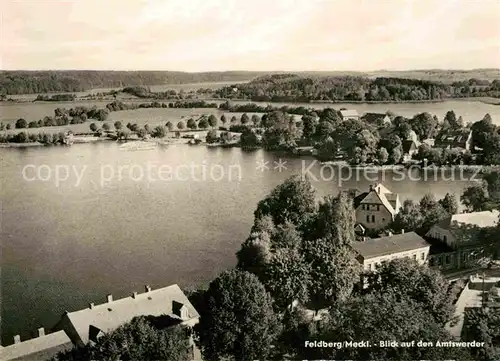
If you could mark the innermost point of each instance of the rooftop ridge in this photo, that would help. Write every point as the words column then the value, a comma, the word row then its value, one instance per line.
column 135, row 296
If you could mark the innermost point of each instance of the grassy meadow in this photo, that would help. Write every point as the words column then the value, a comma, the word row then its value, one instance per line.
column 150, row 116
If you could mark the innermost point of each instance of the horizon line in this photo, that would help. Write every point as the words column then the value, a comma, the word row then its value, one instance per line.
column 255, row 71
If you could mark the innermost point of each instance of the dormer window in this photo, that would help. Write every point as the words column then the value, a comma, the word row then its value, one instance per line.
column 180, row 310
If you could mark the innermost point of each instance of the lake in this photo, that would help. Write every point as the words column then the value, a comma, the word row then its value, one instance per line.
column 153, row 88
column 123, row 219
column 471, row 111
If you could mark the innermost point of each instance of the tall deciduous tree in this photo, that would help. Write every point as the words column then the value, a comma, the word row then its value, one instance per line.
column 244, row 118
column 334, row 272
column 422, row 284
column 255, row 120
column 449, row 203
column 293, row 200
column 483, row 325
column 424, row 125
column 212, row 120
column 191, row 124
column 238, row 321
column 223, row 119
column 335, row 220
column 474, row 198
column 255, row 252
column 203, row 123
column 390, row 316
column 409, row 217
column 287, row 277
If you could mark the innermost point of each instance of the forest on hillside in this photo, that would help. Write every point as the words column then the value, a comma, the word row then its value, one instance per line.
column 47, row 81
column 297, row 88
column 31, row 82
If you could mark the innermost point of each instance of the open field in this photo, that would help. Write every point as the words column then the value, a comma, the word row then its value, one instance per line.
column 150, row 116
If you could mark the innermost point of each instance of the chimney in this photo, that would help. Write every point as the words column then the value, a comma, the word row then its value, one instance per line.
column 402, row 231
column 91, row 305
column 41, row 332
column 110, row 298
column 134, row 295
column 17, row 339
column 389, row 234
column 147, row 288
column 371, row 187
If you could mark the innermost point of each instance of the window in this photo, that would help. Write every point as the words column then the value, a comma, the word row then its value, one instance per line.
column 444, row 238
column 422, row 256
column 378, row 207
column 373, row 219
column 447, row 259
column 415, row 256
column 464, row 256
column 368, row 219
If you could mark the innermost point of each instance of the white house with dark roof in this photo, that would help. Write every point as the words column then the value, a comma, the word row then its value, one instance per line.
column 89, row 324
column 458, row 229
column 374, row 251
column 376, row 208
column 457, row 239
column 349, row 114
column 460, row 139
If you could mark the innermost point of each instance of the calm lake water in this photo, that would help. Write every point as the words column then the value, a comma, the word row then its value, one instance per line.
column 471, row 111
column 65, row 245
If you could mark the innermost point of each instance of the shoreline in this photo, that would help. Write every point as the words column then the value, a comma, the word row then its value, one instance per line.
column 478, row 169
column 484, row 100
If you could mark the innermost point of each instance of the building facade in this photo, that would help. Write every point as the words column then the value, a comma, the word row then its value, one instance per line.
column 349, row 114
column 460, row 139
column 376, row 208
column 375, row 251
column 457, row 239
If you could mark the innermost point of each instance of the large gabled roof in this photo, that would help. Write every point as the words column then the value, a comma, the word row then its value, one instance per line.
column 478, row 219
column 454, row 138
column 39, row 348
column 376, row 247
column 381, row 195
column 111, row 315
column 349, row 113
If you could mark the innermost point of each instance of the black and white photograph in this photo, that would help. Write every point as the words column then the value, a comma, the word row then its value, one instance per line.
column 243, row 180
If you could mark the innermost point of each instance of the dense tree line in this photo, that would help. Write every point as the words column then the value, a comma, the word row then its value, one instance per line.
column 421, row 216
column 293, row 87
column 56, row 98
column 30, row 82
column 24, row 137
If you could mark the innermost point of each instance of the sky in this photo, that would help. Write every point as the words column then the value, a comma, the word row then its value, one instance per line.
column 264, row 35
